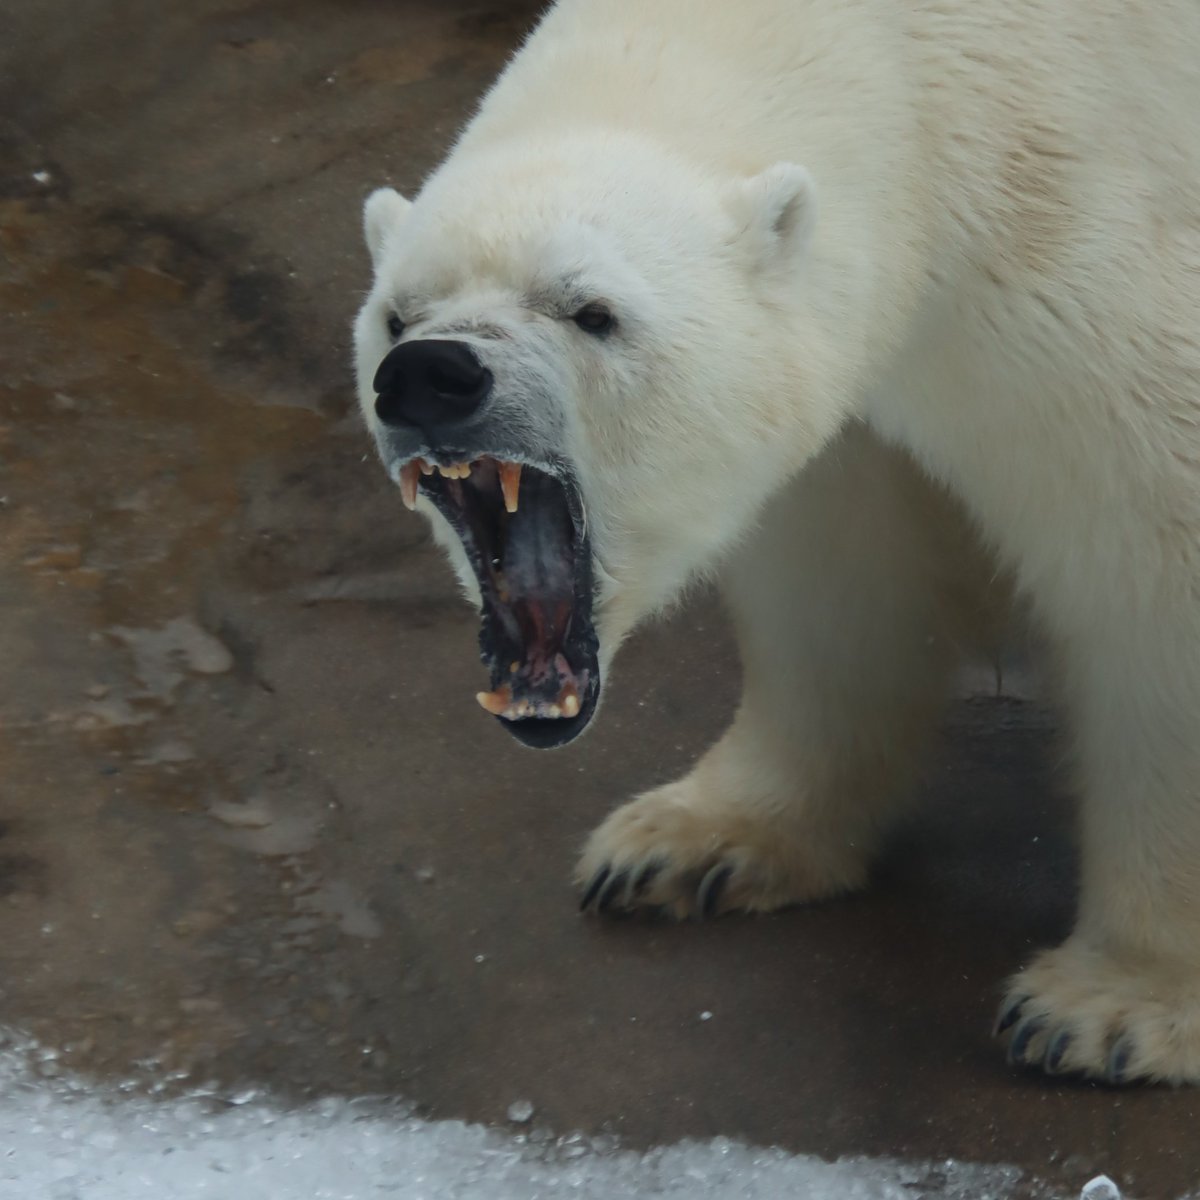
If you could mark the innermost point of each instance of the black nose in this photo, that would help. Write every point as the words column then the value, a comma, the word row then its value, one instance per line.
column 433, row 385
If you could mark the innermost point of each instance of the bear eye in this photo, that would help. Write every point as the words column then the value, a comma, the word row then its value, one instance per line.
column 395, row 327
column 595, row 319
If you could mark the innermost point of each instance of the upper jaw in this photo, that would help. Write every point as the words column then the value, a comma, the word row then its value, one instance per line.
column 522, row 523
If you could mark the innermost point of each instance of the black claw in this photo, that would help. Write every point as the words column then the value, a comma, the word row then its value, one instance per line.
column 1009, row 1015
column 1028, row 1029
column 612, row 890
column 593, row 888
column 645, row 877
column 708, row 894
column 1057, row 1047
column 1117, row 1071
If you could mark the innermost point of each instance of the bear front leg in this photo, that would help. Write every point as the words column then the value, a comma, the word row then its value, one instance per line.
column 849, row 601
column 1120, row 1000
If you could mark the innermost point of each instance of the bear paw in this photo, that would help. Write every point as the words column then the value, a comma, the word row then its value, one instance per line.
column 669, row 853
column 1077, row 1011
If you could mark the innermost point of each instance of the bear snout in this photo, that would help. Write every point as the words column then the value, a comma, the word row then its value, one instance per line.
column 433, row 385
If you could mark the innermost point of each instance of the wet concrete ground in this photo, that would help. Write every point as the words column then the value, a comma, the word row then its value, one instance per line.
column 253, row 828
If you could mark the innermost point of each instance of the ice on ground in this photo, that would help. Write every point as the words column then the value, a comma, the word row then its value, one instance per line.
column 62, row 1140
column 1101, row 1188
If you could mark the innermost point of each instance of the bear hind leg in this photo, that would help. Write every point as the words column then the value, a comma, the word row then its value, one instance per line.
column 1119, row 1001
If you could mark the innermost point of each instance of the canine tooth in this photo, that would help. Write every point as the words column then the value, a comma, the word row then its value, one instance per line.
column 409, row 474
column 570, row 702
column 498, row 703
column 510, row 484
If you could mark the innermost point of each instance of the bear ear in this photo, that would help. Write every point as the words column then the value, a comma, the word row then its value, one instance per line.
column 776, row 212
column 384, row 210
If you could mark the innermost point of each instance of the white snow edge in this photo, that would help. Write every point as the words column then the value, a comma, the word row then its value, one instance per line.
column 63, row 1139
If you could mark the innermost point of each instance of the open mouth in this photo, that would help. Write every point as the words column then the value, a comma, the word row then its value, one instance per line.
column 524, row 530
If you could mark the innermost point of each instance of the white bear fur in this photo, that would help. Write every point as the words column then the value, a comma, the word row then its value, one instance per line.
column 844, row 237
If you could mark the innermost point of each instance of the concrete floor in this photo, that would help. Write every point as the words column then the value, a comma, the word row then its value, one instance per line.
column 252, row 826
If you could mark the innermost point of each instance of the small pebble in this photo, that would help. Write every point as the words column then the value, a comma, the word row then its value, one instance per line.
column 520, row 1112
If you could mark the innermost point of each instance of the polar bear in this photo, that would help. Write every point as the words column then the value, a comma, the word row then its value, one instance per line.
column 885, row 316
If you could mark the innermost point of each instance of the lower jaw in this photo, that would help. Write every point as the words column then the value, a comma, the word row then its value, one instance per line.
column 545, row 733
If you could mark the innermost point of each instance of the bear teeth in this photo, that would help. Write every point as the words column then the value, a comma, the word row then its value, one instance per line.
column 408, row 483
column 410, row 473
column 510, row 484
column 500, row 703
column 497, row 702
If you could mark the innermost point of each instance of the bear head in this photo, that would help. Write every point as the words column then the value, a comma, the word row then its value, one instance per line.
column 582, row 360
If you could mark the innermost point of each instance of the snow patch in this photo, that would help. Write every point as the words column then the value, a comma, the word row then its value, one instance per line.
column 1101, row 1188
column 63, row 1140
